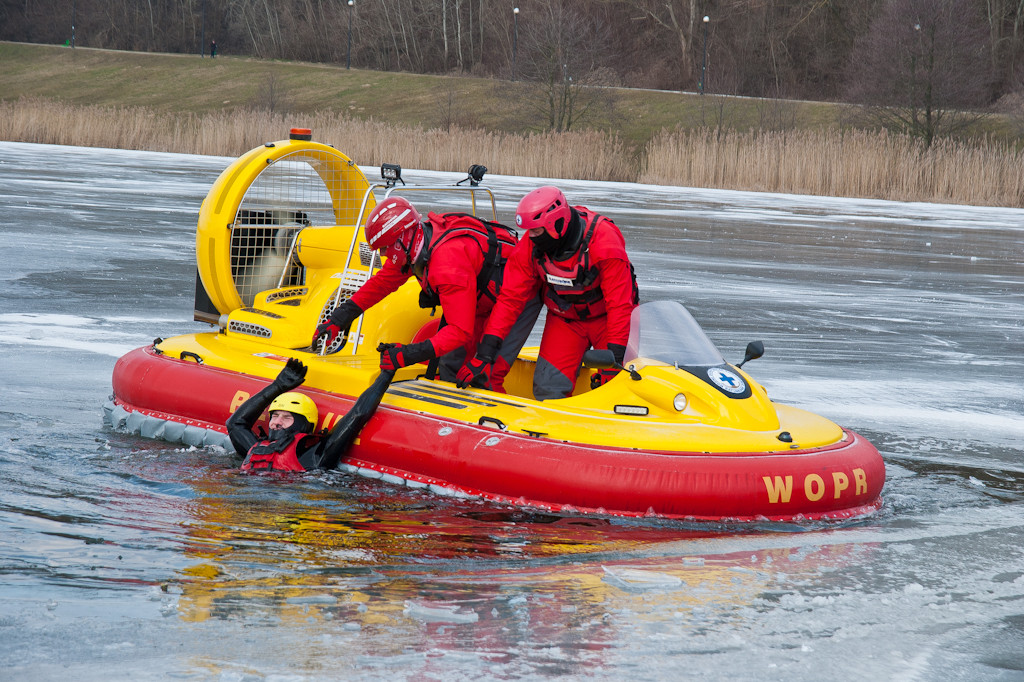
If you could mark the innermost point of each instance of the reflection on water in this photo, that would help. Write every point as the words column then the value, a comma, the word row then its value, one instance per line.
column 394, row 571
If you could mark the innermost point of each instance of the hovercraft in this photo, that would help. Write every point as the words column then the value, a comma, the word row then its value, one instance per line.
column 680, row 433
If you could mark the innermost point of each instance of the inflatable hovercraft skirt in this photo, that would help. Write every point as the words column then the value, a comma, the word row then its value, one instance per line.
column 680, row 433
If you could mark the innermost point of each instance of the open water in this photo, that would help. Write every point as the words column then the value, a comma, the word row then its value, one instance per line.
column 125, row 558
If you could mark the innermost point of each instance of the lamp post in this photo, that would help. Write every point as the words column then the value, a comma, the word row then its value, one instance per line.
column 515, row 41
column 704, row 64
column 74, row 13
column 202, row 34
column 348, row 55
column 915, row 50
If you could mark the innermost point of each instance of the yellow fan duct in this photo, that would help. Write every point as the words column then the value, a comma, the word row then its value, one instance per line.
column 255, row 210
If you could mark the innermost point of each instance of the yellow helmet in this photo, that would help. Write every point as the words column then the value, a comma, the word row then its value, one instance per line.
column 297, row 403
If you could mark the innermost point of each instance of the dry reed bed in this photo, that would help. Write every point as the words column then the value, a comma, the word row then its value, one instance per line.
column 840, row 163
column 833, row 163
column 585, row 155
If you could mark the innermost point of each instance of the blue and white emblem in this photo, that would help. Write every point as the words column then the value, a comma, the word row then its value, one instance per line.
column 727, row 380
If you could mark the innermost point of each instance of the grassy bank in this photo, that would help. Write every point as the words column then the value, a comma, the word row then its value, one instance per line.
column 226, row 106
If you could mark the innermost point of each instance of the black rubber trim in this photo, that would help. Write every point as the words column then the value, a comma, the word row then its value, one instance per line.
column 458, row 394
column 426, row 399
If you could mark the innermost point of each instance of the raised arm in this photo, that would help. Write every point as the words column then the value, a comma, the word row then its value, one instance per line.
column 240, row 423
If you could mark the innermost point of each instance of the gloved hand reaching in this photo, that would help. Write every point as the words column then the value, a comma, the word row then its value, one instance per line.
column 340, row 320
column 291, row 376
column 395, row 355
column 477, row 370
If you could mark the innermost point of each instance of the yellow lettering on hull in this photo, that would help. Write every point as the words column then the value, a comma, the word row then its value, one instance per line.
column 861, row 481
column 814, row 487
column 236, row 402
column 330, row 420
column 780, row 488
column 840, row 482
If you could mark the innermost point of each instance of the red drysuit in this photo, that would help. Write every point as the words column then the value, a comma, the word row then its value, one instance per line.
column 455, row 255
column 590, row 296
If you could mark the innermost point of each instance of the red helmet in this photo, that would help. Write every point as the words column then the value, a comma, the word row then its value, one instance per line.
column 388, row 220
column 544, row 208
column 394, row 225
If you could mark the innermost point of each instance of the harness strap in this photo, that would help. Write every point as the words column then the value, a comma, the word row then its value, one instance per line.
column 582, row 293
column 435, row 361
column 493, row 258
column 588, row 274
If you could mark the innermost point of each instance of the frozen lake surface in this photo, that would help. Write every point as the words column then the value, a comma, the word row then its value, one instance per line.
column 126, row 558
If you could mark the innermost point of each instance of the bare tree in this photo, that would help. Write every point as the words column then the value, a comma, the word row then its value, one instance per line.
column 1006, row 30
column 678, row 18
column 271, row 94
column 766, row 48
column 258, row 23
column 561, row 54
column 922, row 66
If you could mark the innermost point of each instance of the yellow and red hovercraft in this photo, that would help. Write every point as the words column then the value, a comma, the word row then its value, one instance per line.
column 680, row 434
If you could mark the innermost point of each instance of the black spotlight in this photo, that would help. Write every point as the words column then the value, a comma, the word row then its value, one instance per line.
column 476, row 174
column 392, row 174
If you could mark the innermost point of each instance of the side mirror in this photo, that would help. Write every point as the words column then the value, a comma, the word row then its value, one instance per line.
column 599, row 359
column 755, row 349
column 605, row 359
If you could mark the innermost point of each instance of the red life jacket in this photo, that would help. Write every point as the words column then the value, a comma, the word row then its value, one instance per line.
column 262, row 458
column 496, row 241
column 573, row 285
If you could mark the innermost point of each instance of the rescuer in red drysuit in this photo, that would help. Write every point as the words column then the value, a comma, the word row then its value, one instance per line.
column 292, row 444
column 576, row 260
column 459, row 261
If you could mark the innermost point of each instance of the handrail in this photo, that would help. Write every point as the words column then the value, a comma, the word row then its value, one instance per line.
column 375, row 260
column 450, row 188
column 289, row 260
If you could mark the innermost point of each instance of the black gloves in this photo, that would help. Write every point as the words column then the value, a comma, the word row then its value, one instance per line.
column 291, row 376
column 619, row 351
column 477, row 370
column 395, row 355
column 341, row 319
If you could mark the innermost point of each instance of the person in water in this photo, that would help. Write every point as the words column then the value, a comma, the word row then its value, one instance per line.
column 576, row 260
column 459, row 262
column 293, row 444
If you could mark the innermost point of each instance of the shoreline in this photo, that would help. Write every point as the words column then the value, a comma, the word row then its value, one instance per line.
column 854, row 164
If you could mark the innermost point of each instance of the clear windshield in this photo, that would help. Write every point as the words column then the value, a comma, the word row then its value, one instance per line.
column 665, row 331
